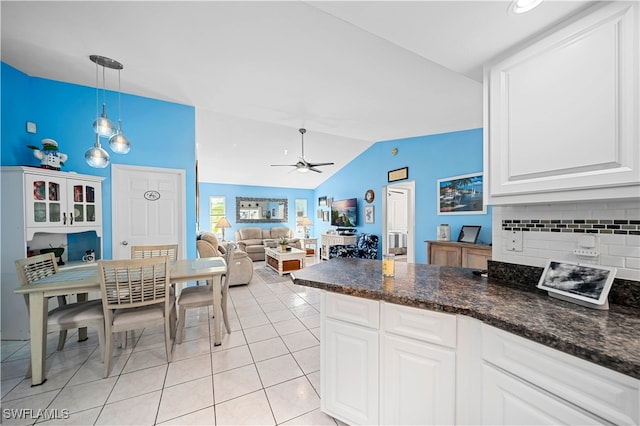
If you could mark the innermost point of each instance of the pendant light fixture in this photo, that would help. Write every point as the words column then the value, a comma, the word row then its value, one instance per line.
column 96, row 156
column 103, row 126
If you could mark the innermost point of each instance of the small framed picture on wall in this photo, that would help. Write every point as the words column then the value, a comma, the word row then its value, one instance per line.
column 325, row 216
column 369, row 214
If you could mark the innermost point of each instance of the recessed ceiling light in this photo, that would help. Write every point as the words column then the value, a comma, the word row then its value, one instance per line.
column 522, row 6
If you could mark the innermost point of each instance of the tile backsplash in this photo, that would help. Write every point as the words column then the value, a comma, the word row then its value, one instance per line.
column 554, row 231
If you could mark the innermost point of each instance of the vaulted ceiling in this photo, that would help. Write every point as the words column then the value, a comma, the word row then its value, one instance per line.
column 351, row 72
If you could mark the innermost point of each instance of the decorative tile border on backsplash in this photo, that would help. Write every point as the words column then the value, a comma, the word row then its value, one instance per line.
column 581, row 226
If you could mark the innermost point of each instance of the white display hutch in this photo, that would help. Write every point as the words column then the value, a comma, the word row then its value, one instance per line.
column 40, row 208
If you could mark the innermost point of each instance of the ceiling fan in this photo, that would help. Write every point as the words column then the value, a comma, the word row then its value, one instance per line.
column 303, row 165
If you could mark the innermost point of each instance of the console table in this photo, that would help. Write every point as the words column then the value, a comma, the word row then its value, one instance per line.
column 449, row 253
column 328, row 240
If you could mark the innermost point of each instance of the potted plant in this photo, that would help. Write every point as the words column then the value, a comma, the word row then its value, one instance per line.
column 283, row 243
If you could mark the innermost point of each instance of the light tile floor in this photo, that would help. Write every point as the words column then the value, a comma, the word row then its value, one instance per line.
column 266, row 372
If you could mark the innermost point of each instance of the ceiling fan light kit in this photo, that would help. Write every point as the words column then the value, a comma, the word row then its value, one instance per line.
column 303, row 166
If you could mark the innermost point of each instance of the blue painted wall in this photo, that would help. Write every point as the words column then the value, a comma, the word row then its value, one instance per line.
column 428, row 158
column 162, row 134
column 230, row 192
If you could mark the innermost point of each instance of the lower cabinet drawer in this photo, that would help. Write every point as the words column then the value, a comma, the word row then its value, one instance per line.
column 420, row 324
column 352, row 309
column 603, row 392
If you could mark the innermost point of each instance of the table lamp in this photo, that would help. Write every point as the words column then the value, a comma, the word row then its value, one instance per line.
column 223, row 223
column 306, row 222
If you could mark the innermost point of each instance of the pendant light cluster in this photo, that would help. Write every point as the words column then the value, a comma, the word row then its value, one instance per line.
column 96, row 156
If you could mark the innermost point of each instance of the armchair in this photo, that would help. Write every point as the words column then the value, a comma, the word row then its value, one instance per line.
column 242, row 271
column 366, row 247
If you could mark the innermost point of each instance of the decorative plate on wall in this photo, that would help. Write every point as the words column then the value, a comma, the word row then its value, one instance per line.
column 369, row 196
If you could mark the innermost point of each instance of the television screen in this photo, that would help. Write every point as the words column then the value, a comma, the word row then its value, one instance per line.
column 344, row 213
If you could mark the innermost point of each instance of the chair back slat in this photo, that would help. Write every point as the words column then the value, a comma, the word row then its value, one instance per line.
column 134, row 283
column 145, row 252
column 36, row 267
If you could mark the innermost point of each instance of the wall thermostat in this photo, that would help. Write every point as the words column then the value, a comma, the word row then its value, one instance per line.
column 31, row 127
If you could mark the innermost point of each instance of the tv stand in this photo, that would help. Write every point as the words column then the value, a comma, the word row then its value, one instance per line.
column 328, row 240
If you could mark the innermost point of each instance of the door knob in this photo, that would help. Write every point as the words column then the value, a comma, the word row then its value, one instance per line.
column 125, row 243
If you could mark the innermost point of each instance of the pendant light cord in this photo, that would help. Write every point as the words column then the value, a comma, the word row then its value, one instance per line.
column 119, row 102
column 97, row 93
column 104, row 88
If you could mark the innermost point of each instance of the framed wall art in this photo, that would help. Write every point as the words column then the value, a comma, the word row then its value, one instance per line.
column 322, row 201
column 325, row 216
column 369, row 216
column 398, row 174
column 461, row 195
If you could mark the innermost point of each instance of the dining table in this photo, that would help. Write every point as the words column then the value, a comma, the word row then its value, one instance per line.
column 86, row 279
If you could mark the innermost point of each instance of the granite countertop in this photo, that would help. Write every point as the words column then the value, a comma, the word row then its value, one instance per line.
column 607, row 338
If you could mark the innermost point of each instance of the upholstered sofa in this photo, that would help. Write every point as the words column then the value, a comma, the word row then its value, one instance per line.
column 253, row 240
column 242, row 267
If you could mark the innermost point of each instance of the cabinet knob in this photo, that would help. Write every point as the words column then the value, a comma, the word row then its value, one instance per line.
column 125, row 243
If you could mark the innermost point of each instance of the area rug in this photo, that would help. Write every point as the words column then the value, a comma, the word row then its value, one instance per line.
column 269, row 276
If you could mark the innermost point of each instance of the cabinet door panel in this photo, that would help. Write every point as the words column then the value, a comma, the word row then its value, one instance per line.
column 45, row 201
column 445, row 255
column 349, row 372
column 475, row 258
column 418, row 383
column 509, row 401
column 562, row 112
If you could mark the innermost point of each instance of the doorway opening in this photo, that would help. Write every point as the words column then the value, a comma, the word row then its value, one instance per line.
column 398, row 226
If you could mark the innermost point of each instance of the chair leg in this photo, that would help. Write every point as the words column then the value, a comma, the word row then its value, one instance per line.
column 225, row 318
column 180, row 325
column 62, row 338
column 173, row 318
column 108, row 351
column 101, row 339
column 167, row 337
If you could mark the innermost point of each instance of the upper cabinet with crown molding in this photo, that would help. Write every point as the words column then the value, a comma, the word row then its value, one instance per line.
column 562, row 112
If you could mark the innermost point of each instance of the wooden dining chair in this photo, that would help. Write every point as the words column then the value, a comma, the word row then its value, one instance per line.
column 200, row 296
column 135, row 295
column 67, row 315
column 149, row 251
column 145, row 252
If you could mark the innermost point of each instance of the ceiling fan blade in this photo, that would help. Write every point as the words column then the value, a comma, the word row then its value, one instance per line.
column 315, row 170
column 284, row 165
column 320, row 164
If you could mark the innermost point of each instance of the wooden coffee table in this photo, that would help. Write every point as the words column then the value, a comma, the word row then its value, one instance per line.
column 284, row 262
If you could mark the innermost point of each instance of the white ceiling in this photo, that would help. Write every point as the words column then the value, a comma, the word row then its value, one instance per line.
column 351, row 72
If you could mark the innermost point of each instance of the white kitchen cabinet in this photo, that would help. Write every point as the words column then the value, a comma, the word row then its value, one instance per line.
column 399, row 368
column 417, row 366
column 562, row 112
column 349, row 358
column 599, row 392
column 510, row 401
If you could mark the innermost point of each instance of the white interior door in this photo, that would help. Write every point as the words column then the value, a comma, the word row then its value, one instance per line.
column 149, row 207
column 398, row 207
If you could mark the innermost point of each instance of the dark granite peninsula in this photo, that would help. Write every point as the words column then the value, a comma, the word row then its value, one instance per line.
column 607, row 338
